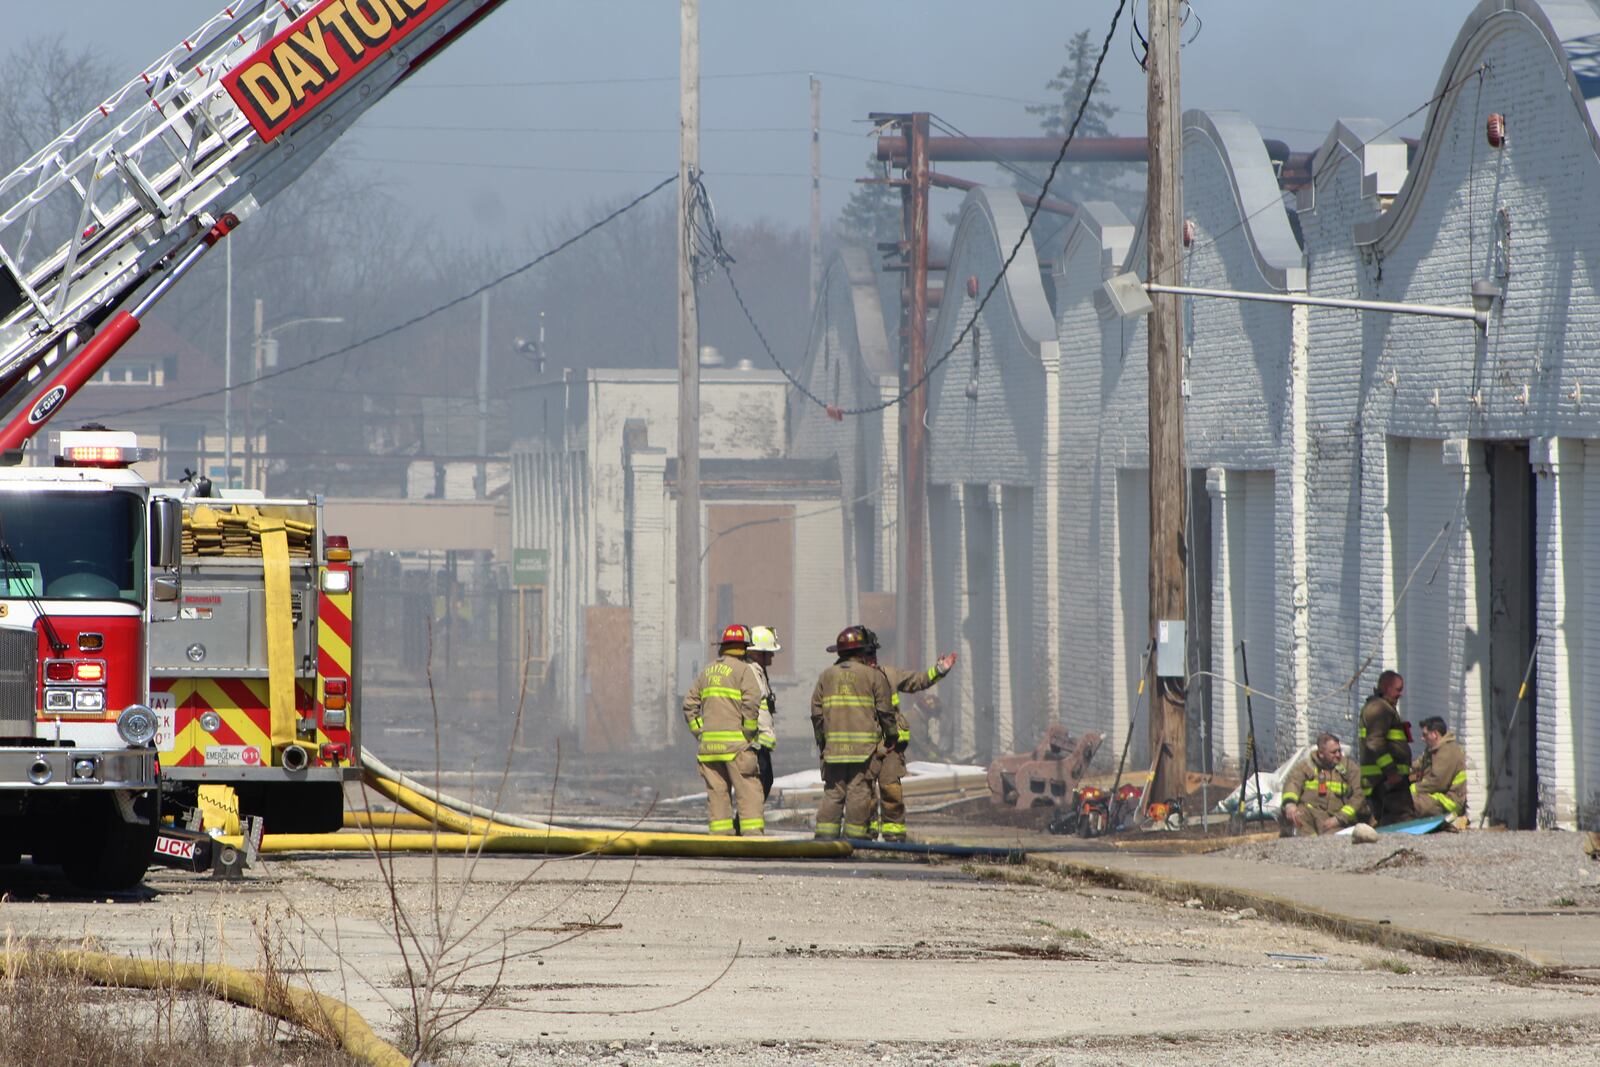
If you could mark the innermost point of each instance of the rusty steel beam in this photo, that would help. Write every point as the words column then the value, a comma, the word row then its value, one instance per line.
column 892, row 149
column 1050, row 204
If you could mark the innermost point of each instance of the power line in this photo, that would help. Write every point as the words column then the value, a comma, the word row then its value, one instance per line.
column 415, row 319
column 535, row 168
column 1033, row 213
column 410, row 127
column 558, row 83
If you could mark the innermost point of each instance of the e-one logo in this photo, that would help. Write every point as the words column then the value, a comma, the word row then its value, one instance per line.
column 47, row 405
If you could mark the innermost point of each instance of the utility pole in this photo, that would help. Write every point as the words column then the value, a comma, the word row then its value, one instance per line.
column 483, row 395
column 1168, row 552
column 816, row 187
column 227, row 370
column 250, row 399
column 913, row 470
column 689, row 586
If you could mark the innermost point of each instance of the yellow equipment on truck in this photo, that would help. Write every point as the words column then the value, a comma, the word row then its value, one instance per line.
column 255, row 681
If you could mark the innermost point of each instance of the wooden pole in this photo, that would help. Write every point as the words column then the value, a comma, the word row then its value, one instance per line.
column 1168, row 555
column 688, row 569
column 914, row 472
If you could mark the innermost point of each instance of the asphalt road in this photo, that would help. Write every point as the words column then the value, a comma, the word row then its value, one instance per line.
column 869, row 961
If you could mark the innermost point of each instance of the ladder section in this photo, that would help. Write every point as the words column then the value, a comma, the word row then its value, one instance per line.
column 86, row 217
column 221, row 123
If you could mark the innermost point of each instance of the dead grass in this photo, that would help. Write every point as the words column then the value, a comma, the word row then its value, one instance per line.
column 58, row 1017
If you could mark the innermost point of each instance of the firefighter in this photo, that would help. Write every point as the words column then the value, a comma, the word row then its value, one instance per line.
column 763, row 646
column 721, row 710
column 1386, row 751
column 1439, row 781
column 852, row 715
column 890, row 818
column 1322, row 794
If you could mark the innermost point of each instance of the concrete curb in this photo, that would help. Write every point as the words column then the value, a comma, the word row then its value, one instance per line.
column 1385, row 934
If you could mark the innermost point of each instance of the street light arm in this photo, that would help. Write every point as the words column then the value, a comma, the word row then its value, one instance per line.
column 1438, row 311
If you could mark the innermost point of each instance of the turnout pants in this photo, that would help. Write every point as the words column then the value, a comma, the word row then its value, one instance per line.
column 1390, row 803
column 729, row 783
column 846, row 802
column 1307, row 823
column 764, row 756
column 1426, row 806
column 890, row 821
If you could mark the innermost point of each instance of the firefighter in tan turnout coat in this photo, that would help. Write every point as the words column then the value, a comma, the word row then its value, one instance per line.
column 890, row 818
column 852, row 714
column 721, row 709
column 1322, row 794
column 1439, row 785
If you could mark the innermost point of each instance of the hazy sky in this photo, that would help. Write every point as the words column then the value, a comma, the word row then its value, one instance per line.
column 552, row 106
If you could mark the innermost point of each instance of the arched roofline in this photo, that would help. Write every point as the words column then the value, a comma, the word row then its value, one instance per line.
column 1002, row 218
column 1257, row 197
column 1570, row 29
column 1102, row 228
column 1382, row 156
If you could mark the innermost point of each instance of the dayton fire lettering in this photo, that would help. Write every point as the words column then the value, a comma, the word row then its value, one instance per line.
column 321, row 51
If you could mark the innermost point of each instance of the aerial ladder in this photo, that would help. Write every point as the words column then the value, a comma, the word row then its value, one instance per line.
column 98, row 224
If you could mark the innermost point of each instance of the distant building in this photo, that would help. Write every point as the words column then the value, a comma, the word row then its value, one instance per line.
column 594, row 492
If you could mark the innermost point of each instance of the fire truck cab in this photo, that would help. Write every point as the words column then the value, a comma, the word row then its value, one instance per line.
column 85, row 553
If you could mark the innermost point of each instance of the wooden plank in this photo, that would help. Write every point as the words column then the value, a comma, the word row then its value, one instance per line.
column 608, row 667
column 750, row 572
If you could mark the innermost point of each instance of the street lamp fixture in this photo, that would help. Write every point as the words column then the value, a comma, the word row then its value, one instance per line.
column 264, row 352
column 1124, row 292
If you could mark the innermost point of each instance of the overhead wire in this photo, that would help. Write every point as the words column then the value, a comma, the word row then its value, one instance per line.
column 994, row 285
column 415, row 319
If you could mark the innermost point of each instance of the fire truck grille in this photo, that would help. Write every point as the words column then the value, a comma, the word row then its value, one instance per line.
column 19, row 665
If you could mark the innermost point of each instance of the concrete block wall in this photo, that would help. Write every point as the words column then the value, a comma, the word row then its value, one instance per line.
column 990, row 432
column 1519, row 216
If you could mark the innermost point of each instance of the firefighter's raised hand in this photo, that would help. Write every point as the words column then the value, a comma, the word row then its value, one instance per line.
column 946, row 662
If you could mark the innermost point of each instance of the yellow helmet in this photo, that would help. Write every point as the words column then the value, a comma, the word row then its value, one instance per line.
column 764, row 639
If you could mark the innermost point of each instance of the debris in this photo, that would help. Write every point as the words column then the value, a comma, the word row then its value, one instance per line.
column 1249, row 913
column 1194, row 902
column 1363, row 834
column 1296, row 957
column 1591, row 845
column 1047, row 775
column 1400, row 857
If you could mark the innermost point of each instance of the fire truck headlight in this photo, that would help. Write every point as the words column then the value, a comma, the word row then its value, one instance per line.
column 84, row 768
column 335, row 581
column 136, row 725
column 58, row 700
column 90, row 700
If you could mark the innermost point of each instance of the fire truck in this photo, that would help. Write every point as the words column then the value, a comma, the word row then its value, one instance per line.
column 85, row 551
column 255, row 679
column 95, row 227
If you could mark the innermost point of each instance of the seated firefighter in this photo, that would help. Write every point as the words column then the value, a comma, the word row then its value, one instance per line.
column 1322, row 794
column 1439, row 778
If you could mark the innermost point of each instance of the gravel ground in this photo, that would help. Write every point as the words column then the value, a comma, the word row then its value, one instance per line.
column 1531, row 869
column 1524, row 1045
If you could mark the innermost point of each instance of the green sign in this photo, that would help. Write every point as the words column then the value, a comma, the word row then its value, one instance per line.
column 530, row 566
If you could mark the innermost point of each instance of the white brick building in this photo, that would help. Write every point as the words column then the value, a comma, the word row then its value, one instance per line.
column 592, row 483
column 1367, row 490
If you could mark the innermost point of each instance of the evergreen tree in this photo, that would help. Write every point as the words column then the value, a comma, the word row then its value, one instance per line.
column 1120, row 183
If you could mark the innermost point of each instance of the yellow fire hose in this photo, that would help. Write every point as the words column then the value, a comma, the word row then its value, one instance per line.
column 458, row 832
column 385, row 820
column 331, row 1019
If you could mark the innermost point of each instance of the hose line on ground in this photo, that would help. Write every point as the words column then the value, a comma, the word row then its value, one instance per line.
column 331, row 1019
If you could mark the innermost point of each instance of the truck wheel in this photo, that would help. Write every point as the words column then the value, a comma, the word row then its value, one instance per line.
column 108, row 853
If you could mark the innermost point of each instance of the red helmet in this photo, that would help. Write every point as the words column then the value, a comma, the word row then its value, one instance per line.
column 853, row 639
column 735, row 635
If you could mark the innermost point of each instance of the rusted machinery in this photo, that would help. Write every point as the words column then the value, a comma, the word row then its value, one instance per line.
column 1046, row 776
